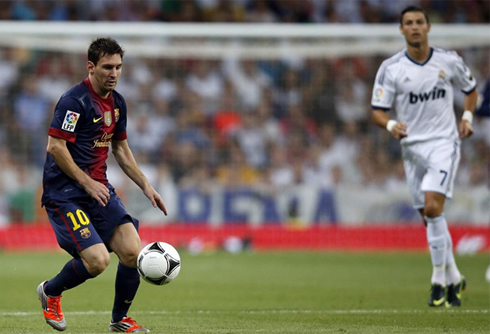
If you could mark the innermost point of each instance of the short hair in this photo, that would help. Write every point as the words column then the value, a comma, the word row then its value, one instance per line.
column 102, row 47
column 413, row 9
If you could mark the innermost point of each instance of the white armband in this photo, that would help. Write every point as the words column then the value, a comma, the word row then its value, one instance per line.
column 468, row 116
column 390, row 125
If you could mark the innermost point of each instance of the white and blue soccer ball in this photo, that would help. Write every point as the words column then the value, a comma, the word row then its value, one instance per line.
column 158, row 263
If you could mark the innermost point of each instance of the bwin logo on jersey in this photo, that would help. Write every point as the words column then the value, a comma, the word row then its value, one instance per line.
column 436, row 93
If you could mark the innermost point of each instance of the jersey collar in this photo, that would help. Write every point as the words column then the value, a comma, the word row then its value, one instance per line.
column 416, row 62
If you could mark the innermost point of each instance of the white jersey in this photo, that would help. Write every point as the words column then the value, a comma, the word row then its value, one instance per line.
column 423, row 92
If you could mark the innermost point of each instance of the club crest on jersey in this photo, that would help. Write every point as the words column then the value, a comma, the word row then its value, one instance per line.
column 107, row 118
column 116, row 114
column 442, row 76
column 85, row 233
column 70, row 121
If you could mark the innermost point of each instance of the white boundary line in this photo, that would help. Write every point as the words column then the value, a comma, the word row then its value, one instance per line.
column 260, row 312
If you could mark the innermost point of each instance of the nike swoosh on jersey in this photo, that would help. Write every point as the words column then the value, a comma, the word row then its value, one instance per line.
column 97, row 119
column 128, row 301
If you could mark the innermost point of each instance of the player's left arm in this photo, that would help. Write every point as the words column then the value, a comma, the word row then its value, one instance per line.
column 126, row 161
column 465, row 127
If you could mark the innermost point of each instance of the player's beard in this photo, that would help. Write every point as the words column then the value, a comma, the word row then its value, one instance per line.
column 414, row 44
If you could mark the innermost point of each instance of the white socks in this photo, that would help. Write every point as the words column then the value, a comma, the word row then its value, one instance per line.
column 440, row 246
column 453, row 276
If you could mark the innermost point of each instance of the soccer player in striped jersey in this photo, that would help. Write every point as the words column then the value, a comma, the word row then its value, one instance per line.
column 87, row 216
column 419, row 81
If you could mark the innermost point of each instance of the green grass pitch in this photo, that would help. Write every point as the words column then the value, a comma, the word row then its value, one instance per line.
column 261, row 292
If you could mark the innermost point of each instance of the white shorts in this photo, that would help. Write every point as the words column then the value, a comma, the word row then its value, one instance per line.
column 431, row 166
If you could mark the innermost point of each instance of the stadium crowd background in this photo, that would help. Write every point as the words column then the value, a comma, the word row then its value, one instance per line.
column 195, row 123
column 293, row 11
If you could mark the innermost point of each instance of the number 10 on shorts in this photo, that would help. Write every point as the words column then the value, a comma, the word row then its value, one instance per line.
column 81, row 219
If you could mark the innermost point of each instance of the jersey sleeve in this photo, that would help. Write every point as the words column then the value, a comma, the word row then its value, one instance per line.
column 463, row 79
column 121, row 123
column 66, row 119
column 384, row 89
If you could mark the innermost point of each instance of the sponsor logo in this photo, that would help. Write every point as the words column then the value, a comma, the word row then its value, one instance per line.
column 436, row 93
column 85, row 233
column 97, row 119
column 107, row 118
column 104, row 141
column 70, row 121
column 378, row 94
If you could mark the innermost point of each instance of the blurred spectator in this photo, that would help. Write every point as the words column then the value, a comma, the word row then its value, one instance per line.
column 205, row 81
column 252, row 140
column 227, row 119
column 287, row 93
column 54, row 77
column 248, row 80
column 224, row 11
column 320, row 94
column 9, row 67
column 330, row 154
column 31, row 110
column 297, row 122
column 235, row 172
column 260, row 12
column 189, row 129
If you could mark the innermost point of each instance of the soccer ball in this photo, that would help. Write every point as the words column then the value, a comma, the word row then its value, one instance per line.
column 158, row 263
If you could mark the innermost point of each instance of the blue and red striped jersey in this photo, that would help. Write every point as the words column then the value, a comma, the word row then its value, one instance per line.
column 88, row 123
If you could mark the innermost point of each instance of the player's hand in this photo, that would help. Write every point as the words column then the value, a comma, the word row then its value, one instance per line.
column 155, row 199
column 465, row 129
column 399, row 130
column 98, row 191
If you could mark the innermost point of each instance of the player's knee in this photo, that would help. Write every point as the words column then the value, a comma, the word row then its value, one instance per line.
column 129, row 257
column 433, row 209
column 98, row 264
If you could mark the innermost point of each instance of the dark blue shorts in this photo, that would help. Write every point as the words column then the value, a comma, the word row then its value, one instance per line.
column 80, row 222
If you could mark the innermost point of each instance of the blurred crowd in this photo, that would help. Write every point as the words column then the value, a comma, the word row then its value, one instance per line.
column 228, row 122
column 265, row 124
column 292, row 11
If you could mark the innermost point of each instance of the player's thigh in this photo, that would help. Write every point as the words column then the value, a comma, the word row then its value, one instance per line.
column 442, row 167
column 126, row 243
column 414, row 171
column 73, row 226
column 110, row 217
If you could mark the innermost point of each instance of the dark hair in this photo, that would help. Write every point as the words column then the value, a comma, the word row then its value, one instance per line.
column 413, row 9
column 102, row 47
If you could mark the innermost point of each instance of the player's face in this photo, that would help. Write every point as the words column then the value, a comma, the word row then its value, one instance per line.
column 415, row 28
column 107, row 72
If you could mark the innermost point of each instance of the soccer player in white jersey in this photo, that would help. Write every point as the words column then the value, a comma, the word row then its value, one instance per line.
column 419, row 81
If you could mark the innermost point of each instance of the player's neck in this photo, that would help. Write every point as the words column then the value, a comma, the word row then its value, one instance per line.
column 419, row 53
column 97, row 89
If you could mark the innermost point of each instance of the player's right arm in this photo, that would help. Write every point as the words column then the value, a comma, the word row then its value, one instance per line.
column 382, row 119
column 382, row 99
column 58, row 150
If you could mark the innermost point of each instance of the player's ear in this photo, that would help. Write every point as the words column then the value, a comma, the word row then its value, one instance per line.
column 90, row 67
column 428, row 27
